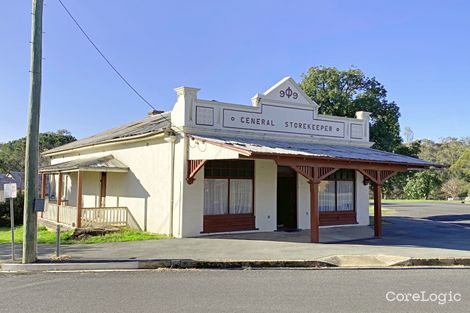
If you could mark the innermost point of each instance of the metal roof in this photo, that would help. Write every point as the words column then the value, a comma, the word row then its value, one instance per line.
column 102, row 164
column 6, row 179
column 273, row 147
column 150, row 125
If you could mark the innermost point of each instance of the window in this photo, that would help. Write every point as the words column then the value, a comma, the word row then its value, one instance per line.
column 228, row 187
column 336, row 192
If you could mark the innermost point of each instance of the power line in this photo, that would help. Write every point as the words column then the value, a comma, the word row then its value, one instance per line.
column 112, row 66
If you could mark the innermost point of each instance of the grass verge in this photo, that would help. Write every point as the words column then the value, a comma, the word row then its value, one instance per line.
column 46, row 236
column 385, row 211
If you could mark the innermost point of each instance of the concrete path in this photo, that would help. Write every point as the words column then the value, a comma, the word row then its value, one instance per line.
column 423, row 237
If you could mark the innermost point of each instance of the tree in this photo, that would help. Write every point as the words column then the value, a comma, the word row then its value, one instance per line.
column 393, row 188
column 343, row 93
column 17, row 208
column 446, row 151
column 408, row 134
column 12, row 153
column 454, row 187
column 461, row 167
column 422, row 184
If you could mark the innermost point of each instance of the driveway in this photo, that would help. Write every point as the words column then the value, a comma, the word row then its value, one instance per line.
column 428, row 230
column 427, row 224
column 447, row 212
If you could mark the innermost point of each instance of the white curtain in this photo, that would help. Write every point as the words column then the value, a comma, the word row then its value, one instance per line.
column 326, row 196
column 215, row 196
column 241, row 196
column 345, row 195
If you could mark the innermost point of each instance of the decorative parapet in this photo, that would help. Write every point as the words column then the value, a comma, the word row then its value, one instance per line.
column 283, row 111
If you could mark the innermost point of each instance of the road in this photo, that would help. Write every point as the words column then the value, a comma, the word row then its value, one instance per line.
column 283, row 290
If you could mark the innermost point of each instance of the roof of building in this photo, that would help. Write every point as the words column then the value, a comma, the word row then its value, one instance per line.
column 254, row 147
column 150, row 125
column 6, row 179
column 19, row 178
column 102, row 164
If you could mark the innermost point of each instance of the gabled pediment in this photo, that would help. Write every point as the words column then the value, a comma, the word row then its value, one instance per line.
column 287, row 91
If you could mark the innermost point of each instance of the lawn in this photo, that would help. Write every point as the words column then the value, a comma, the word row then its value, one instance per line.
column 385, row 211
column 49, row 237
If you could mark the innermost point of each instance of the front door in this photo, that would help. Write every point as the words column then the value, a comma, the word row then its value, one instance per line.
column 286, row 198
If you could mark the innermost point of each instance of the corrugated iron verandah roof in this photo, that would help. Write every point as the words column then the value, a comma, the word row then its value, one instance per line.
column 101, row 164
column 330, row 153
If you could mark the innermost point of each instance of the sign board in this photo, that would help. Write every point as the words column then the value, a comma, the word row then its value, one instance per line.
column 283, row 120
column 38, row 205
column 9, row 191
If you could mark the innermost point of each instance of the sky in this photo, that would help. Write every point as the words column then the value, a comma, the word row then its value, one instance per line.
column 419, row 50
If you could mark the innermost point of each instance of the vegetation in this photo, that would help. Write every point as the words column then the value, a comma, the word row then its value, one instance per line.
column 343, row 93
column 12, row 153
column 385, row 211
column 422, row 184
column 453, row 181
column 17, row 209
column 46, row 236
column 12, row 156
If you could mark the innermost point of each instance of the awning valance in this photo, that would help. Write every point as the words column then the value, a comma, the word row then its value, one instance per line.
column 101, row 164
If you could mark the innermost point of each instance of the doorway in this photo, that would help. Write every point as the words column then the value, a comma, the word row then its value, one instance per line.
column 286, row 199
column 103, row 180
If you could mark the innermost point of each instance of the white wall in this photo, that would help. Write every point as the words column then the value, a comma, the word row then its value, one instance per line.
column 265, row 195
column 193, row 207
column 303, row 202
column 144, row 189
column 362, row 200
column 91, row 189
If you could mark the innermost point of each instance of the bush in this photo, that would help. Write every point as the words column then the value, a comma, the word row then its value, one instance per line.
column 18, row 203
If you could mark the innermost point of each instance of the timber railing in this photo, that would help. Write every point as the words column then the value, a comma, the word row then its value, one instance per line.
column 107, row 216
column 90, row 217
column 67, row 214
column 50, row 211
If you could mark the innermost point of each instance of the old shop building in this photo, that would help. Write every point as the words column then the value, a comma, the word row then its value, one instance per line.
column 221, row 167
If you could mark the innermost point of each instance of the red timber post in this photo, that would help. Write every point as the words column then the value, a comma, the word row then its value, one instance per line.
column 59, row 196
column 43, row 185
column 314, row 175
column 314, row 213
column 378, row 177
column 79, row 199
column 43, row 189
column 378, row 210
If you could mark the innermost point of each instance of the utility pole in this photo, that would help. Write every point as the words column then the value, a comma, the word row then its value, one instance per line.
column 32, row 139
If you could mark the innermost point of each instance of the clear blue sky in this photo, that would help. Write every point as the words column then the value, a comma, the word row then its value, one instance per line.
column 420, row 51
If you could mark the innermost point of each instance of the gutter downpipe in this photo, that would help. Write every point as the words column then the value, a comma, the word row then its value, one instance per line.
column 172, row 139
